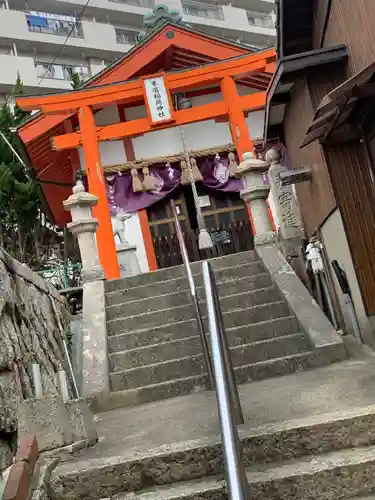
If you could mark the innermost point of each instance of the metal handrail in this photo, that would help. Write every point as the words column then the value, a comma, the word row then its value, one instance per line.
column 228, row 402
column 220, row 372
column 194, row 295
column 212, row 295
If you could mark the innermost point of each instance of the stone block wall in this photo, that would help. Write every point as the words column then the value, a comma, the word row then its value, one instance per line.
column 29, row 332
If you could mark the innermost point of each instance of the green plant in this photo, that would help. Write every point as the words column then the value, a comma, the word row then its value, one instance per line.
column 20, row 207
column 75, row 80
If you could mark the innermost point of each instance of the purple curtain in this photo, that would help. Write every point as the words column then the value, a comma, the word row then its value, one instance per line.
column 215, row 173
column 121, row 197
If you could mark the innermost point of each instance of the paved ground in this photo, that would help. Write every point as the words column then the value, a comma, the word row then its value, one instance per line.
column 338, row 388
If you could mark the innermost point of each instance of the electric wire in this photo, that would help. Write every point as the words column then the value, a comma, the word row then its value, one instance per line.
column 65, row 41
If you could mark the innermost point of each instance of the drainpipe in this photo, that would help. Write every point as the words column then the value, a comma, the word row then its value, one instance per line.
column 37, row 379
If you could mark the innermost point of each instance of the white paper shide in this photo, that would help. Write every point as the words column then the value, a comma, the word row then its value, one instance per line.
column 157, row 97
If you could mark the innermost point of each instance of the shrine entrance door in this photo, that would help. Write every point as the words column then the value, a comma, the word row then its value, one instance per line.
column 225, row 216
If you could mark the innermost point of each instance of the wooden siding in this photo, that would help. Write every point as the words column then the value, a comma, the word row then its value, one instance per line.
column 317, row 198
column 320, row 14
column 322, row 82
column 352, row 22
column 354, row 189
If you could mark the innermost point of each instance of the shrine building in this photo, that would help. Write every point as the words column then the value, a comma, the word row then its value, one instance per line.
column 128, row 130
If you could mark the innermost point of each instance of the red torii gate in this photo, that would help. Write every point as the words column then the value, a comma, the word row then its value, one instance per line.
column 85, row 101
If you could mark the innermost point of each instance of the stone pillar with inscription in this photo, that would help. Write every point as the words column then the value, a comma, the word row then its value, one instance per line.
column 290, row 229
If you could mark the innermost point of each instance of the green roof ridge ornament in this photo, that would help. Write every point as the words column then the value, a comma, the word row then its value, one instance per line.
column 160, row 13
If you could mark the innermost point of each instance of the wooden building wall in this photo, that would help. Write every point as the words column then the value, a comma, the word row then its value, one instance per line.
column 320, row 83
column 320, row 13
column 352, row 181
column 350, row 22
column 316, row 198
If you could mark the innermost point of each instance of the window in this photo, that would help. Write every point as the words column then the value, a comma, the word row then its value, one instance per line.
column 262, row 20
column 149, row 4
column 54, row 24
column 201, row 10
column 126, row 36
column 61, row 71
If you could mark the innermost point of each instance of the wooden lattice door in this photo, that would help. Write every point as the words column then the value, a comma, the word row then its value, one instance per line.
column 225, row 217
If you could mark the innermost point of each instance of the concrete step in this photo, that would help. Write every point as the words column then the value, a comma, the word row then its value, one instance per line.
column 248, row 299
column 175, row 272
column 150, row 320
column 332, row 475
column 235, row 259
column 318, row 448
column 182, row 386
column 191, row 346
column 185, row 367
column 172, row 332
column 240, row 299
column 154, row 335
column 148, row 304
column 262, row 330
column 136, row 368
column 237, row 317
column 151, row 393
column 156, row 353
column 226, row 287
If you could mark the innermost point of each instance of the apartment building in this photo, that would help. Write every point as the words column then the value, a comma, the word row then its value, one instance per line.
column 32, row 33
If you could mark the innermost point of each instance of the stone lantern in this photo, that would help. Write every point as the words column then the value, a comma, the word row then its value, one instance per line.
column 84, row 226
column 255, row 193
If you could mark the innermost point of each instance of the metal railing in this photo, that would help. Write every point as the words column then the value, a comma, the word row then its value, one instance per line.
column 220, row 372
column 194, row 295
column 228, row 401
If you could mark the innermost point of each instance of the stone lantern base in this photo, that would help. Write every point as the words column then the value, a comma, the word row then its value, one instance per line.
column 127, row 260
column 266, row 238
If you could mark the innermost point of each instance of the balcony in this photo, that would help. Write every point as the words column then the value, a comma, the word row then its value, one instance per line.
column 202, row 10
column 260, row 20
column 99, row 40
column 11, row 67
column 148, row 4
column 54, row 24
column 264, row 6
column 31, row 73
column 126, row 37
column 61, row 71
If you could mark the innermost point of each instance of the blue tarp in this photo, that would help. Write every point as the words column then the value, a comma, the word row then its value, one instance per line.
column 38, row 21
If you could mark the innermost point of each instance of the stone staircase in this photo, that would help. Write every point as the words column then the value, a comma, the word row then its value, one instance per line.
column 322, row 456
column 306, row 436
column 153, row 342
